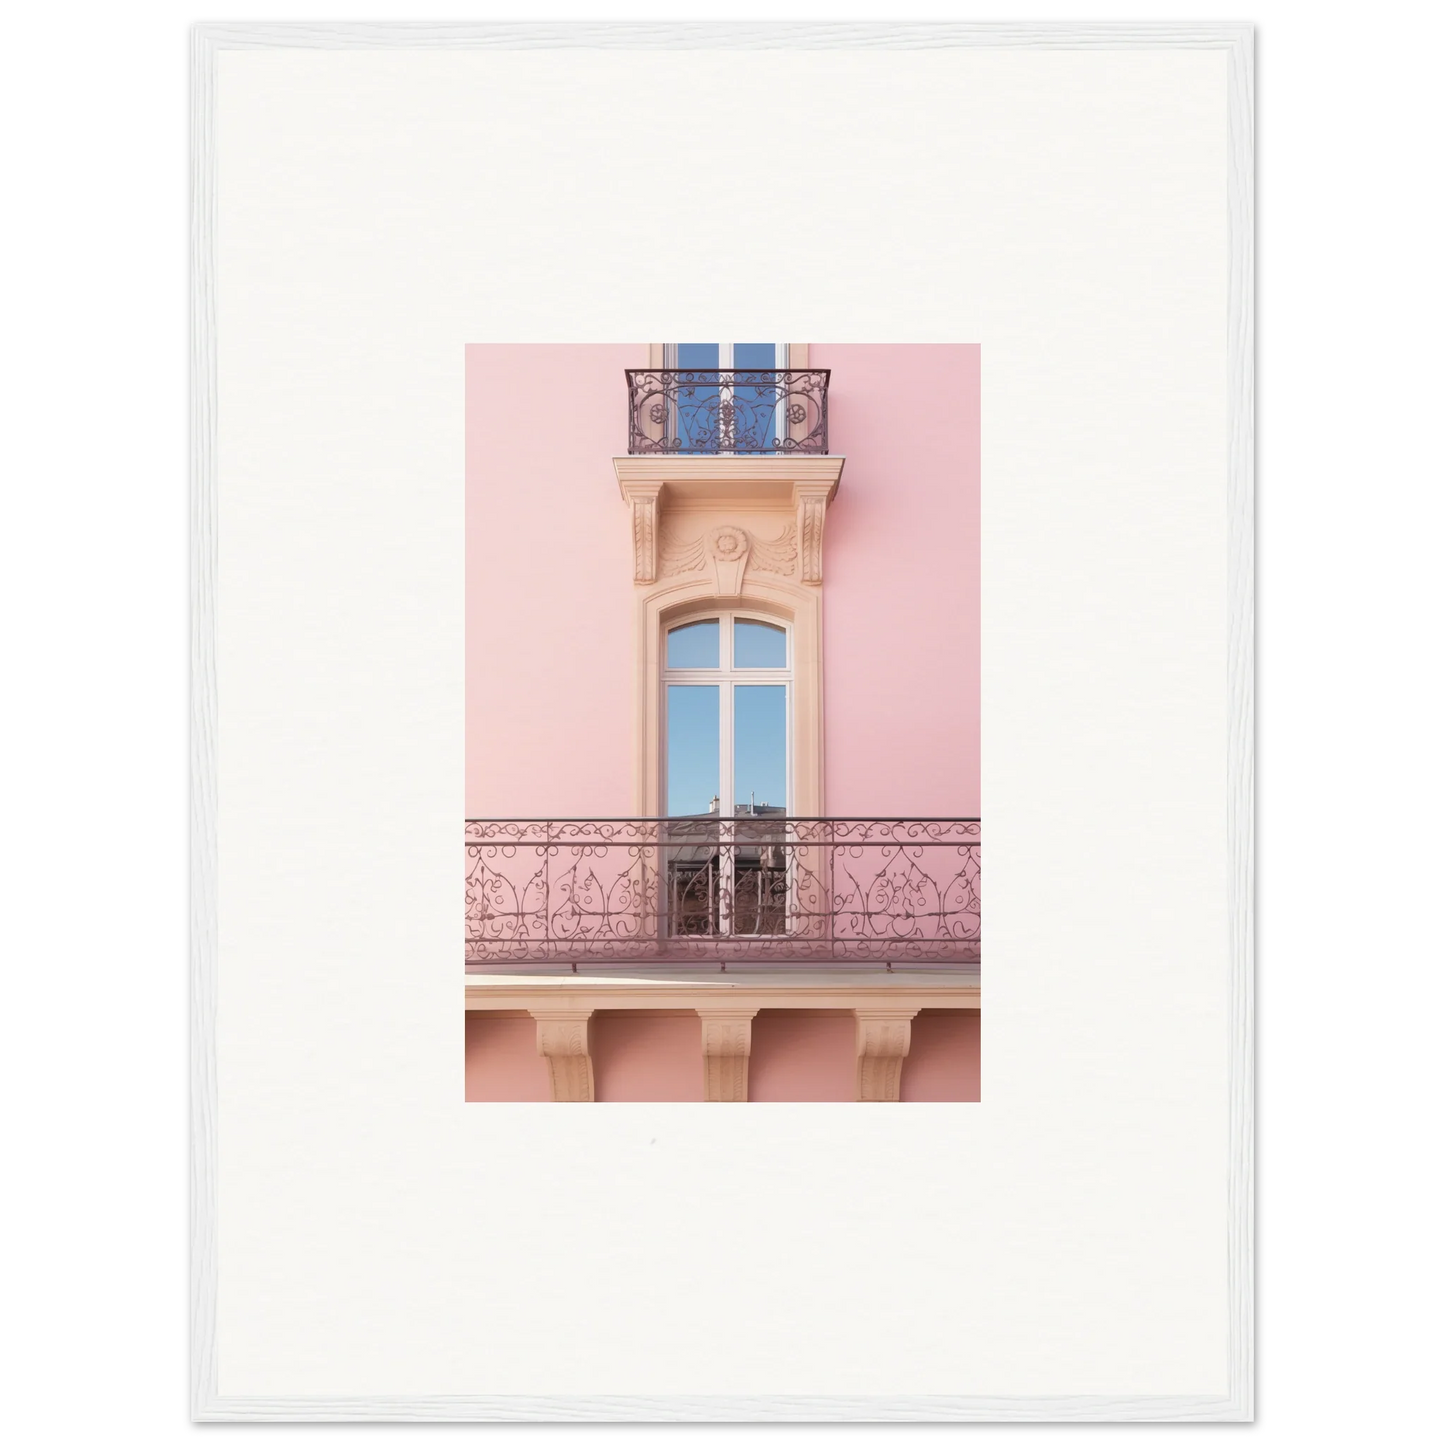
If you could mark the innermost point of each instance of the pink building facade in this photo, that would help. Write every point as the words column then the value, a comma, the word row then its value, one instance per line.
column 722, row 791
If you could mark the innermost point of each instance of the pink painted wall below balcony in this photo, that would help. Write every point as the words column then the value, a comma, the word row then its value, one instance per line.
column 798, row 1056
column 802, row 1057
column 943, row 1064
column 647, row 1057
column 549, row 594
column 502, row 1062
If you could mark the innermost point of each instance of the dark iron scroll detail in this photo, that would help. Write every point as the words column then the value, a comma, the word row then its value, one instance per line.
column 730, row 413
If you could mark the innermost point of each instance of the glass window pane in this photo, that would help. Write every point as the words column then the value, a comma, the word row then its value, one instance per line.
column 695, row 645
column 759, row 644
column 756, row 396
column 697, row 400
column 697, row 354
column 693, row 749
column 760, row 745
column 751, row 355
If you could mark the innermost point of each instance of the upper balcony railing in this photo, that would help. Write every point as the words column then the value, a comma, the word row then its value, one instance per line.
column 713, row 891
column 729, row 413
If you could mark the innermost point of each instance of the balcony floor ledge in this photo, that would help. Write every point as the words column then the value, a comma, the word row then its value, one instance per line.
column 682, row 476
column 661, row 988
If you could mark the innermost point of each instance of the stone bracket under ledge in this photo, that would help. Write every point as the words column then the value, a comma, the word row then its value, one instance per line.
column 882, row 1036
column 563, row 1039
column 727, row 1042
column 806, row 483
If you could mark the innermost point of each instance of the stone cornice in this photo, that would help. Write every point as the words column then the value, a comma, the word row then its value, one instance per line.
column 686, row 474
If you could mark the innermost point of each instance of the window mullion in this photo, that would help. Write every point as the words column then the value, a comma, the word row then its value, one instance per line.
column 726, row 871
column 724, row 398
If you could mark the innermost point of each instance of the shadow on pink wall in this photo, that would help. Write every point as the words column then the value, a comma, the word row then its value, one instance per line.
column 802, row 1057
column 943, row 1063
column 647, row 1057
column 503, row 1065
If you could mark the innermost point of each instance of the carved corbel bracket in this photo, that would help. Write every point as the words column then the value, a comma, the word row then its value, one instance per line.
column 883, row 1036
column 810, row 501
column 642, row 498
column 727, row 1042
column 562, row 1039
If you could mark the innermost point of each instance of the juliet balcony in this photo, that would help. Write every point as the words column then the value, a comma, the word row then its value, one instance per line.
column 727, row 412
column 751, row 891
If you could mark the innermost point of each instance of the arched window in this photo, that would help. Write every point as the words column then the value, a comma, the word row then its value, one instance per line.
column 727, row 725
column 727, row 683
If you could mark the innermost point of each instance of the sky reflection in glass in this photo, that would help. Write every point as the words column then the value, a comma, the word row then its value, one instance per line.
column 694, row 748
column 760, row 743
column 759, row 644
column 695, row 645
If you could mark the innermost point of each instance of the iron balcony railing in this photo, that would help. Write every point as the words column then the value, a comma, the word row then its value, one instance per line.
column 715, row 891
column 731, row 413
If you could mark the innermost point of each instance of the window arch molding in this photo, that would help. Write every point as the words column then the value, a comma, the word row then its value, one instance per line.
column 798, row 607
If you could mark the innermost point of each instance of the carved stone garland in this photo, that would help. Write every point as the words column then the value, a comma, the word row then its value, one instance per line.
column 732, row 552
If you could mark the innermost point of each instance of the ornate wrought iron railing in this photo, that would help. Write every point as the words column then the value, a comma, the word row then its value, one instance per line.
column 715, row 891
column 736, row 412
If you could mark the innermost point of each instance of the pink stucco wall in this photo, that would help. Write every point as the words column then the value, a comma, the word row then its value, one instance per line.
column 802, row 1057
column 503, row 1064
column 549, row 589
column 647, row 1057
column 549, row 582
column 901, row 581
column 943, row 1063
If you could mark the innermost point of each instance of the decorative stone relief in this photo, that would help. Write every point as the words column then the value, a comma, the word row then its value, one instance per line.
column 676, row 557
column 740, row 486
column 728, row 548
column 732, row 551
column 779, row 556
column 562, row 1039
column 883, row 1037
column 727, row 1041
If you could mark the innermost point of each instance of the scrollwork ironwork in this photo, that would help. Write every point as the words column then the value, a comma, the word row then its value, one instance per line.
column 731, row 412
column 713, row 890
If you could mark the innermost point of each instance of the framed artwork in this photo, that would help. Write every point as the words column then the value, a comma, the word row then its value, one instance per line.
column 587, row 715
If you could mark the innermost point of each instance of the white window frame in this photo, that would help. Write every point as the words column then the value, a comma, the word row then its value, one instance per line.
column 725, row 677
column 724, row 355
